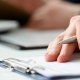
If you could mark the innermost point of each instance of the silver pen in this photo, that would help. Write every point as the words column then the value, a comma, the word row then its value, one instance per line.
column 68, row 40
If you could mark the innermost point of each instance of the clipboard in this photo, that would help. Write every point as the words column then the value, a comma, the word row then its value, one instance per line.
column 12, row 65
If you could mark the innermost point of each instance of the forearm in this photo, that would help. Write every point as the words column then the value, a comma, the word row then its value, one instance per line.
column 27, row 5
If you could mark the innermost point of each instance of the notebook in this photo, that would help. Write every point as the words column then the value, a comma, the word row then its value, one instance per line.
column 37, row 67
column 29, row 39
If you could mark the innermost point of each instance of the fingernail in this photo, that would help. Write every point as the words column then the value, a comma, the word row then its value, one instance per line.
column 52, row 52
column 51, row 56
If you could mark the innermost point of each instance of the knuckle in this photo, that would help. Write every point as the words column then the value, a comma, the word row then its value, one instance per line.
column 78, row 20
column 69, row 34
column 50, row 43
column 75, row 18
column 60, row 37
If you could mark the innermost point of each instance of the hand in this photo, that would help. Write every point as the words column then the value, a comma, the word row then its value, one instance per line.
column 62, row 53
column 27, row 5
column 53, row 15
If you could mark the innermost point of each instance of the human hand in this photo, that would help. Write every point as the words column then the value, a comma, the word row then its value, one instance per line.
column 27, row 5
column 53, row 15
column 62, row 53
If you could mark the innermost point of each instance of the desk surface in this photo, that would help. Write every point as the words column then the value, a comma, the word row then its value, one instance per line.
column 6, row 52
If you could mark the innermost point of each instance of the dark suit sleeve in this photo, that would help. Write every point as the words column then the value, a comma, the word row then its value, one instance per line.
column 10, row 12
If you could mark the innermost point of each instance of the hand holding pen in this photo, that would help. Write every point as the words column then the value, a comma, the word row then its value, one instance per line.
column 69, row 40
column 65, row 44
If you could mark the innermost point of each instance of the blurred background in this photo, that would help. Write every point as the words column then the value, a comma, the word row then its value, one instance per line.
column 35, row 23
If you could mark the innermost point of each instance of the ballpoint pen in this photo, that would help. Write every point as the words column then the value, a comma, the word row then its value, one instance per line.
column 68, row 40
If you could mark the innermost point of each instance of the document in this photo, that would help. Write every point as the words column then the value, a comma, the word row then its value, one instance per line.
column 54, row 69
column 47, row 69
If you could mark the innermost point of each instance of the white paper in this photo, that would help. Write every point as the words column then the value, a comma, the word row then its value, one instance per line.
column 53, row 69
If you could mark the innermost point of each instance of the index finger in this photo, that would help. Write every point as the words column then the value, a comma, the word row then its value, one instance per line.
column 78, row 31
